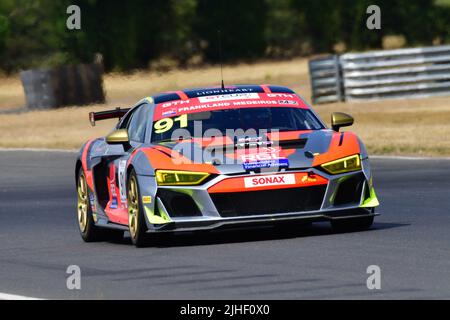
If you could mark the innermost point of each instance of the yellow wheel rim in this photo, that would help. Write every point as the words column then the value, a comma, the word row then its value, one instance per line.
column 133, row 206
column 83, row 203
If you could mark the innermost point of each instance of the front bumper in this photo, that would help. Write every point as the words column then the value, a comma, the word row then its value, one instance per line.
column 196, row 208
column 187, row 225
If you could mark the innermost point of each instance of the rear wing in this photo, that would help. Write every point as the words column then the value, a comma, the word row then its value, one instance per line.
column 109, row 114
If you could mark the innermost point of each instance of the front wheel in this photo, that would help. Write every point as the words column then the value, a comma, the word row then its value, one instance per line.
column 352, row 224
column 136, row 219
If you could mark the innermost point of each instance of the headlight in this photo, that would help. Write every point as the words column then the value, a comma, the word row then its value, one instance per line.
column 348, row 164
column 179, row 178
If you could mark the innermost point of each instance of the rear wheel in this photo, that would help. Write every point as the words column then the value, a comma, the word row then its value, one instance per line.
column 136, row 219
column 88, row 230
column 352, row 224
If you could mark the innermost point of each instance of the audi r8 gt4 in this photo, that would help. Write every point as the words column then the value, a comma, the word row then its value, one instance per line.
column 221, row 157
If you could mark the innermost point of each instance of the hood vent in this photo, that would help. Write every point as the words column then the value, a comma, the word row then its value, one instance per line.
column 292, row 144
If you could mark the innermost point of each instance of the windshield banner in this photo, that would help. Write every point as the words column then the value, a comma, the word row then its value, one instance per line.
column 227, row 101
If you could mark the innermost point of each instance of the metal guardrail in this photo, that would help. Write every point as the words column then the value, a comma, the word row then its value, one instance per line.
column 402, row 73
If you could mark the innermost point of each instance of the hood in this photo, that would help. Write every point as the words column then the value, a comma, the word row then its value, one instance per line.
column 290, row 150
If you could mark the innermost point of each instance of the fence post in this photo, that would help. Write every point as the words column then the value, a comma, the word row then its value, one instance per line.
column 325, row 77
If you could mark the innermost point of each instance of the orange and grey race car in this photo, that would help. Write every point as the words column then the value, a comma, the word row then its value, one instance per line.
column 210, row 158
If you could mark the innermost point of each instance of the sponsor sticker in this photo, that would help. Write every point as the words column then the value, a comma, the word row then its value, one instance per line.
column 92, row 202
column 113, row 204
column 252, row 142
column 281, row 95
column 122, row 180
column 225, row 97
column 288, row 102
column 175, row 103
column 91, row 199
column 307, row 178
column 113, row 196
column 169, row 113
column 266, row 164
column 219, row 91
column 267, row 157
column 146, row 199
column 272, row 180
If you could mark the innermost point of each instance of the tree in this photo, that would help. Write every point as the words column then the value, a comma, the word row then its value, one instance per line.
column 130, row 34
column 242, row 26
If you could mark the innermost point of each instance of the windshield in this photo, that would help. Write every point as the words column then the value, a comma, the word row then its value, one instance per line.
column 269, row 119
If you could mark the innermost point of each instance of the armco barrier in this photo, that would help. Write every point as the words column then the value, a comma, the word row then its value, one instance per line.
column 402, row 73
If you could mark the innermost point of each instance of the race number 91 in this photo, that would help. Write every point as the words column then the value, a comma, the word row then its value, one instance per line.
column 166, row 124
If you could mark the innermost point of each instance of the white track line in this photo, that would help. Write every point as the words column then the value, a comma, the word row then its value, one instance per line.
column 7, row 296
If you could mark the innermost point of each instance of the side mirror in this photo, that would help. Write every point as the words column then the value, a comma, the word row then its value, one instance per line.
column 339, row 120
column 118, row 137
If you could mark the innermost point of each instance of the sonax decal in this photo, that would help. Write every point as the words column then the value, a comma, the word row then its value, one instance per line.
column 273, row 180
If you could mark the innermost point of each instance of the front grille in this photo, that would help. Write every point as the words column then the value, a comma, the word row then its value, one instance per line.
column 269, row 201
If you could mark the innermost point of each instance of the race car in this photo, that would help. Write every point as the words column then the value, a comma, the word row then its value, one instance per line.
column 217, row 158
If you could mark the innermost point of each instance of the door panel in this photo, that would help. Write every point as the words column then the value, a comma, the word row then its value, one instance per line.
column 116, row 208
column 114, row 160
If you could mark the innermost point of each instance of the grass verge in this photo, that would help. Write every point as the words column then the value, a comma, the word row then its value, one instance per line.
column 392, row 127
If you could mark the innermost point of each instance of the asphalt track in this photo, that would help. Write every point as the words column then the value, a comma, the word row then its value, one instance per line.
column 410, row 242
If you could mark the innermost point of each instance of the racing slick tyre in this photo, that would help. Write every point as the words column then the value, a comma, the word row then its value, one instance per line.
column 352, row 224
column 88, row 230
column 136, row 219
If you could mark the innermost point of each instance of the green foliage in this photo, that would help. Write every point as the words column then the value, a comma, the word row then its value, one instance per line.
column 284, row 32
column 241, row 24
column 31, row 39
column 131, row 34
column 4, row 30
